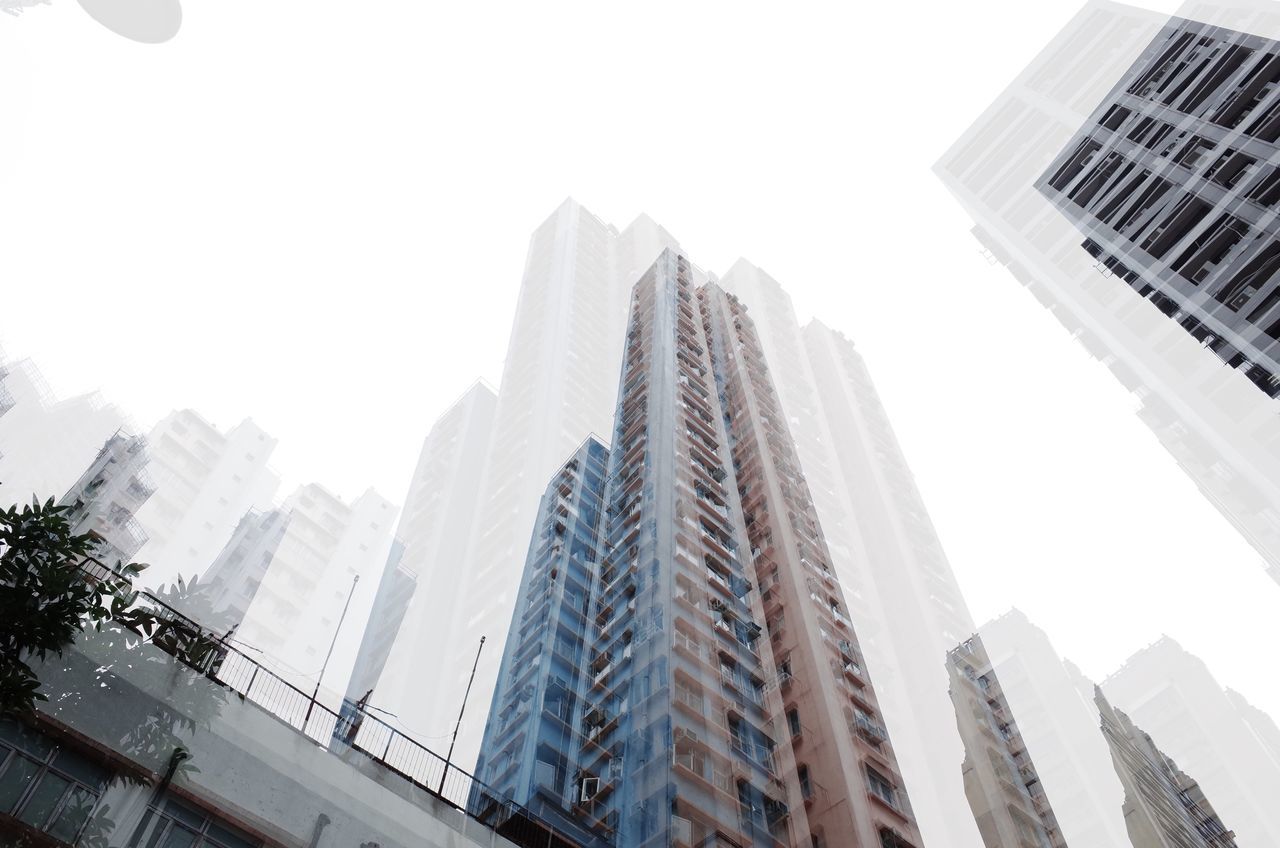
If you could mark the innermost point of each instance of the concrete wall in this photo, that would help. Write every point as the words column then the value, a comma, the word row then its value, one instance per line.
column 246, row 764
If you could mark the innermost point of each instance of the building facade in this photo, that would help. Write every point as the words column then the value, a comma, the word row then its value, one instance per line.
column 319, row 584
column 1163, row 807
column 1170, row 181
column 46, row 443
column 559, row 384
column 422, row 586
column 7, row 400
column 206, row 480
column 1057, row 722
column 395, row 593
column 903, row 596
column 723, row 698
column 1004, row 789
column 1222, row 431
column 1211, row 733
column 539, row 721
column 137, row 746
column 238, row 570
column 106, row 499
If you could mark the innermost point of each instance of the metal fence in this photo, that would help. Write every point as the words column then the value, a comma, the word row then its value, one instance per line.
column 213, row 656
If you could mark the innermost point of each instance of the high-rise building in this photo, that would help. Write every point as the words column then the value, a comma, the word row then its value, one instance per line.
column 1219, row 427
column 1163, row 806
column 1260, row 725
column 902, row 595
column 238, row 570
column 328, row 559
column 541, row 717
column 858, row 788
column 1057, row 722
column 1169, row 181
column 7, row 400
column 46, row 443
column 720, row 696
column 1174, row 697
column 558, row 386
column 104, row 501
column 206, row 480
column 422, row 586
column 1004, row 789
column 391, row 603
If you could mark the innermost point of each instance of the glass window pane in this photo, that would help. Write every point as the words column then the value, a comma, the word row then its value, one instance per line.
column 81, row 769
column 228, row 837
column 25, row 739
column 156, row 828
column 74, row 814
column 179, row 837
column 44, row 800
column 184, row 814
column 14, row 781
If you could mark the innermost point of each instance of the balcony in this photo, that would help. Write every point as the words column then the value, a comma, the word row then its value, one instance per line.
column 869, row 729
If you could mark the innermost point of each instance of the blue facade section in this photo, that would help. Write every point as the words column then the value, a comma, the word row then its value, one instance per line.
column 531, row 736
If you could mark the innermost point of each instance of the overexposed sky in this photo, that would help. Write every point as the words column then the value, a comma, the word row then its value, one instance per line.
column 316, row 214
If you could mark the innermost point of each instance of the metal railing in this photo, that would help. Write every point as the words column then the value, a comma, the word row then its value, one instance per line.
column 213, row 656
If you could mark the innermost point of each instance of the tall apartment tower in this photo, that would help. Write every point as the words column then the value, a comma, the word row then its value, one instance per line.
column 722, row 696
column 1175, row 698
column 7, row 400
column 1260, row 725
column 46, row 443
column 1163, row 807
column 558, row 385
column 542, row 719
column 395, row 593
column 1222, row 431
column 330, row 551
column 1052, row 703
column 1004, row 789
column 1170, row 181
column 206, row 480
column 238, row 570
column 427, row 566
column 903, row 596
column 108, row 495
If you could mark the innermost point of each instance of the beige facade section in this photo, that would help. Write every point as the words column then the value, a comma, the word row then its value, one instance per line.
column 1000, row 780
column 846, row 769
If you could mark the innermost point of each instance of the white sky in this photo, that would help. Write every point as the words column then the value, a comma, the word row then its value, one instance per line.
column 316, row 214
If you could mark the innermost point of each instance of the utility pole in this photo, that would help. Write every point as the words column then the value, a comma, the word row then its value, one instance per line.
column 465, row 695
column 323, row 668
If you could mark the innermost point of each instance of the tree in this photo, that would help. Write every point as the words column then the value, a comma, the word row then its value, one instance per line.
column 47, row 598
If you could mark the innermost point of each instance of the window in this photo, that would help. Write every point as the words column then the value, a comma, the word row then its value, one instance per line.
column 881, row 787
column 177, row 825
column 689, row 695
column 806, row 785
column 793, row 721
column 728, row 672
column 47, row 787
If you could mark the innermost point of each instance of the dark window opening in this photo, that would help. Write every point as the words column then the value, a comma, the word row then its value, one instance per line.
column 1078, row 161
column 1210, row 248
column 1230, row 168
column 1186, row 215
column 1250, row 279
column 1114, row 117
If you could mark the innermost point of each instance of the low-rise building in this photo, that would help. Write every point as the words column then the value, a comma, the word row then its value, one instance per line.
column 182, row 740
